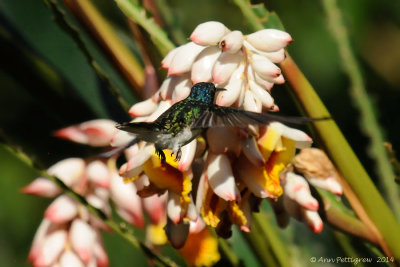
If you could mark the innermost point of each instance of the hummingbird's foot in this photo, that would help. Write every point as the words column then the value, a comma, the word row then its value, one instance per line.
column 161, row 155
column 178, row 155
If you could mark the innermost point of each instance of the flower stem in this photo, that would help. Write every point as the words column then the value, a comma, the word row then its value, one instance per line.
column 368, row 120
column 138, row 14
column 124, row 60
column 120, row 229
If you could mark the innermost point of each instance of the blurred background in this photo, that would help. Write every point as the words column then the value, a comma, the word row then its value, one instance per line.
column 46, row 84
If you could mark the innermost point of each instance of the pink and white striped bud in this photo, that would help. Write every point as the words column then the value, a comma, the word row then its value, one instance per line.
column 94, row 133
column 197, row 226
column 128, row 203
column 188, row 152
column 82, row 238
column 329, row 184
column 233, row 88
column 263, row 95
column 224, row 67
column 251, row 102
column 184, row 58
column 220, row 177
column 203, row 65
column 269, row 40
column 174, row 208
column 313, row 221
column 209, row 33
column 143, row 108
column 68, row 170
column 265, row 68
column 63, row 209
column 51, row 248
column 232, row 42
column 298, row 190
column 42, row 187
column 69, row 258
column 98, row 173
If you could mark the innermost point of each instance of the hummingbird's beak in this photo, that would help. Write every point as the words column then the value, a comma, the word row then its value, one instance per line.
column 220, row 89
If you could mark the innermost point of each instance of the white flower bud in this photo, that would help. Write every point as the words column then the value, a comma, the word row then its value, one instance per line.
column 301, row 138
column 166, row 62
column 251, row 103
column 251, row 151
column 204, row 63
column 269, row 40
column 224, row 67
column 220, row 177
column 265, row 68
column 209, row 33
column 232, row 42
column 233, row 88
column 182, row 88
column 263, row 95
column 82, row 237
column 143, row 108
column 184, row 58
column 174, row 208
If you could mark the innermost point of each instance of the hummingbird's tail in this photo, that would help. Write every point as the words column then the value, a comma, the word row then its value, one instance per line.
column 143, row 130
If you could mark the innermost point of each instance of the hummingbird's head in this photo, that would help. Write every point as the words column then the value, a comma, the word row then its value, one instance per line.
column 204, row 92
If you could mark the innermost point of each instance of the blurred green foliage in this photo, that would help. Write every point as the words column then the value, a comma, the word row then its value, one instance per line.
column 46, row 84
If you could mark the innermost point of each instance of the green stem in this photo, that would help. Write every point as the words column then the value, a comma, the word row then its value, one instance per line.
column 120, row 229
column 138, row 14
column 266, row 242
column 341, row 153
column 368, row 120
column 228, row 252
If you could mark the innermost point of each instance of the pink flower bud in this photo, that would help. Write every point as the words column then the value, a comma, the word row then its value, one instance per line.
column 232, row 42
column 51, row 248
column 313, row 221
column 166, row 88
column 98, row 173
column 174, row 208
column 184, row 58
column 233, row 88
column 277, row 56
column 69, row 258
column 204, row 63
column 63, row 209
column 133, row 168
column 100, row 254
column 166, row 62
column 188, row 152
column 126, row 199
column 197, row 226
column 82, row 238
column 224, row 67
column 279, row 80
column 155, row 207
column 298, row 190
column 265, row 68
column 209, row 33
column 251, row 103
column 182, row 88
column 94, row 133
column 42, row 187
column 220, row 177
column 68, row 170
column 263, row 95
column 329, row 184
column 269, row 40
column 39, row 238
column 162, row 107
column 143, row 108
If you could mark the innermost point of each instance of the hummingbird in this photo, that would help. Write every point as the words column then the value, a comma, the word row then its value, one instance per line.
column 186, row 119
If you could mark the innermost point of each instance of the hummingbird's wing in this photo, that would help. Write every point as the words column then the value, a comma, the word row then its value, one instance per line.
column 217, row 116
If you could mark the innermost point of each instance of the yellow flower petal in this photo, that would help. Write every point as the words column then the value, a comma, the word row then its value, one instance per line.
column 269, row 141
column 201, row 249
column 156, row 234
column 236, row 215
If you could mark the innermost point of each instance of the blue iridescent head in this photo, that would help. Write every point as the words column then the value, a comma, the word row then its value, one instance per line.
column 204, row 92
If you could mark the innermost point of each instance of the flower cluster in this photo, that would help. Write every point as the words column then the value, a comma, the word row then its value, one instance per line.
column 221, row 177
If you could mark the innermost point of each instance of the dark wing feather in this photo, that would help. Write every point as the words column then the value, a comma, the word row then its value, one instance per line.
column 217, row 116
column 145, row 131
